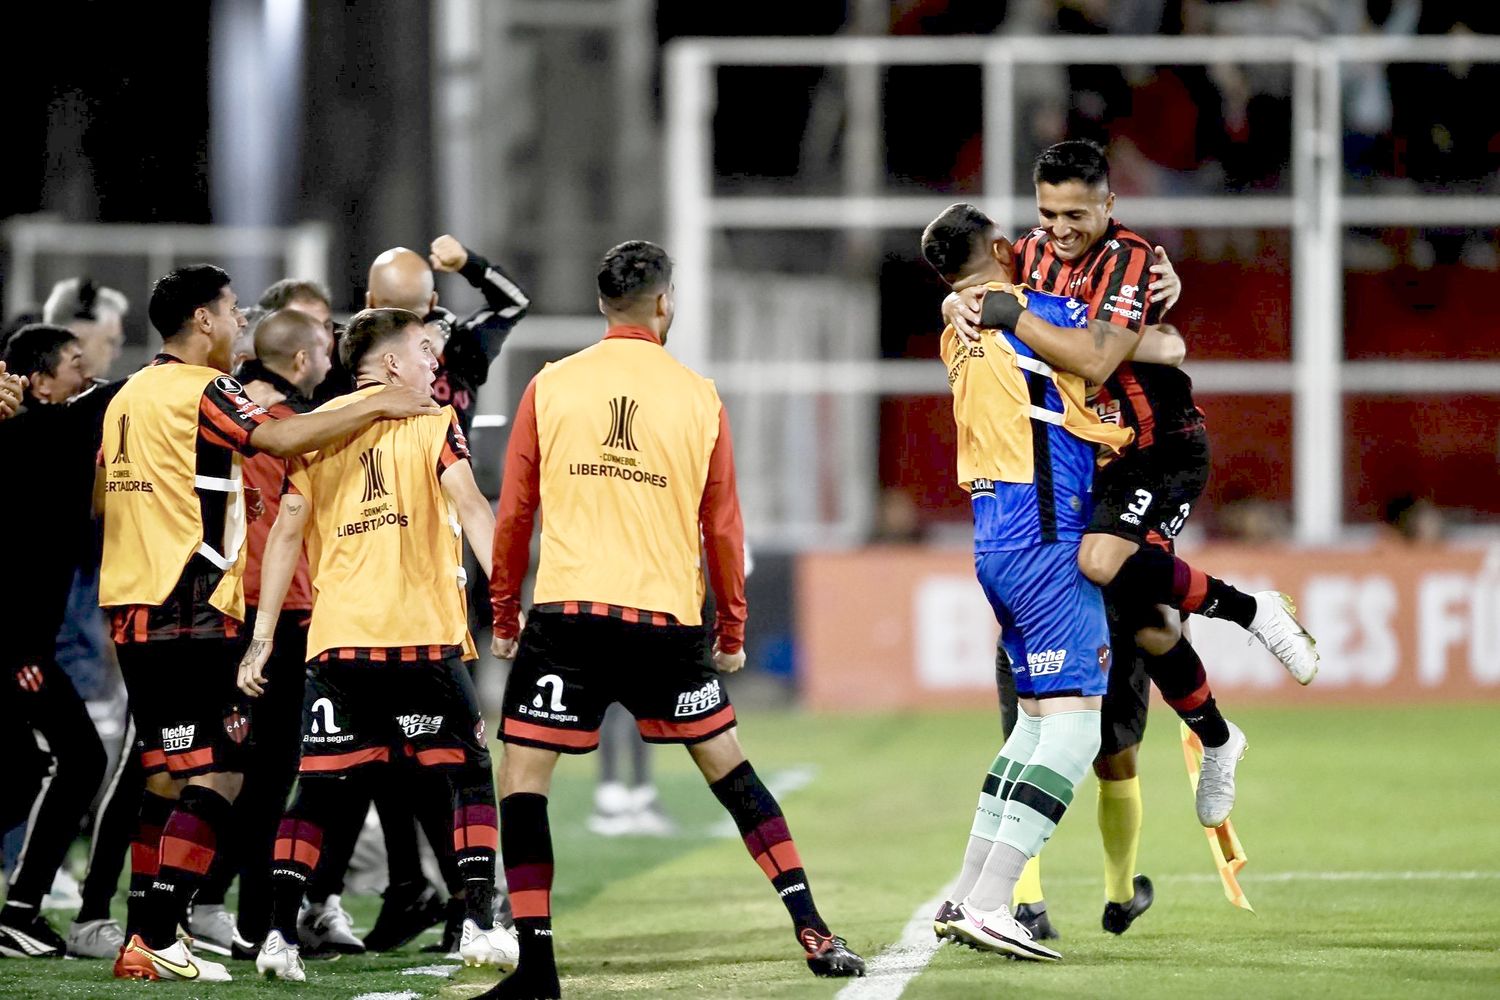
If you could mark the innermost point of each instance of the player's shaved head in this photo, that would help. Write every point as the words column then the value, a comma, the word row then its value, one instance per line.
column 401, row 279
column 280, row 335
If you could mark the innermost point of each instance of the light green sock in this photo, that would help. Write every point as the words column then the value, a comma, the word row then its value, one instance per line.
column 1044, row 789
column 1002, row 774
column 1036, row 802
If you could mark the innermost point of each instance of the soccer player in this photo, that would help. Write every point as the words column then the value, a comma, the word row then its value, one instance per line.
column 1142, row 503
column 171, row 582
column 290, row 357
column 389, row 631
column 401, row 279
column 628, row 453
column 1026, row 454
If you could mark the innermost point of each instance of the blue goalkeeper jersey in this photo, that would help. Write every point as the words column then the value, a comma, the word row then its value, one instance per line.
column 1056, row 505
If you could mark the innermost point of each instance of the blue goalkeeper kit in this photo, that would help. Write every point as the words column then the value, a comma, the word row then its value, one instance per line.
column 1030, row 519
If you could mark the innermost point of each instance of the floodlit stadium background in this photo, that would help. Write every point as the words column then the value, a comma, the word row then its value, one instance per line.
column 1323, row 174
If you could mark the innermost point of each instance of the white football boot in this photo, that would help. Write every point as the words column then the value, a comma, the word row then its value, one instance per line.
column 998, row 931
column 1277, row 628
column 279, row 960
column 1216, row 779
column 496, row 947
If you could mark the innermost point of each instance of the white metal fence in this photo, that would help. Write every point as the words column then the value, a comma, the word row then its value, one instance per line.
column 1316, row 211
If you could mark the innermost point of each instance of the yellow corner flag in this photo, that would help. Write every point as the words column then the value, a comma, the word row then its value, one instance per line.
column 1223, row 843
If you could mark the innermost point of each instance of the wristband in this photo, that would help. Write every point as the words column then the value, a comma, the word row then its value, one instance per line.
column 1000, row 311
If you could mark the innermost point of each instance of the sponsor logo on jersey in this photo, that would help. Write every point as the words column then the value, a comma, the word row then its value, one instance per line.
column 419, row 725
column 699, row 701
column 1048, row 661
column 175, row 739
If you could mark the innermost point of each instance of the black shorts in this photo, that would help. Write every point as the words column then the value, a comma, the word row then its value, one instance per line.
column 571, row 668
column 1122, row 716
column 1146, row 496
column 190, row 718
column 360, row 711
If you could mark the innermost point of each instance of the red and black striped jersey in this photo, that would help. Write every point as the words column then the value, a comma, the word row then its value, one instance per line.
column 1113, row 278
column 226, row 419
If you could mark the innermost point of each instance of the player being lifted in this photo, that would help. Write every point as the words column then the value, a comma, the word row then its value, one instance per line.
column 1141, row 503
column 1026, row 452
column 171, row 582
column 389, row 631
column 628, row 453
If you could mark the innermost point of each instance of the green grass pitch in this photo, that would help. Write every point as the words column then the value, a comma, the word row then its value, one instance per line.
column 1374, row 867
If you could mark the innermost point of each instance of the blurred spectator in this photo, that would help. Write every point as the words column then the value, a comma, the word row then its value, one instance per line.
column 1255, row 522
column 94, row 313
column 898, row 521
column 304, row 296
column 1414, row 520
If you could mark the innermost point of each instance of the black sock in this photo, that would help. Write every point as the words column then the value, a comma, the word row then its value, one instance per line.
column 1183, row 683
column 526, row 845
column 322, row 801
column 145, row 857
column 1152, row 576
column 475, row 839
column 766, row 836
column 188, row 844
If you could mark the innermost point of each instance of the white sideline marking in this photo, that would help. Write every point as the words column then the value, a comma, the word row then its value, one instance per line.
column 887, row 974
column 1251, row 877
column 403, row 995
column 431, row 970
column 780, row 783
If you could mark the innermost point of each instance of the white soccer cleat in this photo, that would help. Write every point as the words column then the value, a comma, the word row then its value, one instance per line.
column 1277, row 628
column 212, row 929
column 327, row 926
column 101, row 938
column 1216, row 779
column 279, row 960
column 997, row 931
column 175, row 963
column 495, row 947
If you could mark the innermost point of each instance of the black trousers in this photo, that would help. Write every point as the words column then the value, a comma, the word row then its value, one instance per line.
column 37, row 697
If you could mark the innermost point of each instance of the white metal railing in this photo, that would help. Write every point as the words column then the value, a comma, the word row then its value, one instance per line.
column 1316, row 210
column 302, row 249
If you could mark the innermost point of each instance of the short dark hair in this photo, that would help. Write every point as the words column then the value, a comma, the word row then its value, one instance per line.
column 178, row 294
column 952, row 239
column 633, row 269
column 289, row 290
column 369, row 329
column 36, row 349
column 1074, row 160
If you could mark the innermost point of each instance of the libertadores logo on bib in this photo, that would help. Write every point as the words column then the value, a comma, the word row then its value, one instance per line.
column 621, row 424
column 374, row 475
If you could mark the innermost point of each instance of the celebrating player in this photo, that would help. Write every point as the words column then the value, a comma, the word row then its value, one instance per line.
column 1142, row 503
column 629, row 448
column 1026, row 453
column 171, row 580
column 401, row 279
column 389, row 631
